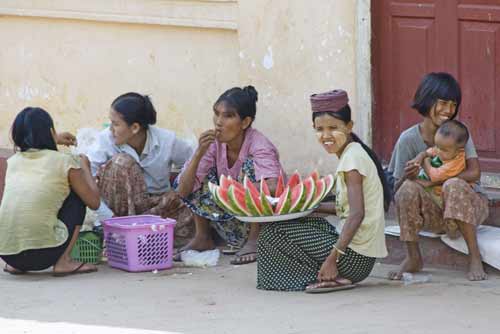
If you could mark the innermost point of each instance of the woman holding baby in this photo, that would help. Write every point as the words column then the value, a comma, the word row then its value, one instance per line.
column 460, row 204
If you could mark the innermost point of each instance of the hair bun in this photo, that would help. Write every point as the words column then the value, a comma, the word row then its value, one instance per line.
column 252, row 93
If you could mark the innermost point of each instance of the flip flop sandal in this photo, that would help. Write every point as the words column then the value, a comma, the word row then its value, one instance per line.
column 238, row 260
column 230, row 250
column 324, row 287
column 75, row 271
column 15, row 272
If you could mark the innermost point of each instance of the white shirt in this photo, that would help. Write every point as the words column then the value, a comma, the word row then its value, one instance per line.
column 162, row 149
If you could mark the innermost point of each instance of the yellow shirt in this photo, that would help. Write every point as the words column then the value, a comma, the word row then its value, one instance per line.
column 36, row 185
column 369, row 239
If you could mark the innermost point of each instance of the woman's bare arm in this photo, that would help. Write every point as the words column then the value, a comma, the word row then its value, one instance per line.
column 83, row 184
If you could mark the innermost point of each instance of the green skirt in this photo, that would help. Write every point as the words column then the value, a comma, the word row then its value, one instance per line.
column 290, row 255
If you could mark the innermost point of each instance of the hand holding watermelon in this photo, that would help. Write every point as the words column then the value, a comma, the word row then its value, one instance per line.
column 296, row 196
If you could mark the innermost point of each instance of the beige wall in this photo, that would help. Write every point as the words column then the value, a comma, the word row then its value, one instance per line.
column 74, row 57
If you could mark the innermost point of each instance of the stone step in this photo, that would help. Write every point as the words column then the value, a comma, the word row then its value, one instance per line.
column 435, row 253
column 490, row 180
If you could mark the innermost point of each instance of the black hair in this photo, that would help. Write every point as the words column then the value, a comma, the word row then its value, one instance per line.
column 242, row 100
column 344, row 115
column 434, row 86
column 32, row 130
column 135, row 108
column 455, row 129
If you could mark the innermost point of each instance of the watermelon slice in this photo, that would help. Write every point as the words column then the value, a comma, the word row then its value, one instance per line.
column 330, row 181
column 310, row 188
column 298, row 197
column 253, row 203
column 284, row 203
column 226, row 181
column 293, row 180
column 315, row 175
column 280, row 186
column 247, row 184
column 319, row 194
column 237, row 199
column 264, row 188
column 213, row 191
column 267, row 208
column 225, row 202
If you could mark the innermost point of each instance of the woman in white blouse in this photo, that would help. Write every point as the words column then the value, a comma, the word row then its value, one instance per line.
column 132, row 160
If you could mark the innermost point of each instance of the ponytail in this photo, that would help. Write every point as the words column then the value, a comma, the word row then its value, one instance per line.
column 380, row 171
column 344, row 115
column 135, row 108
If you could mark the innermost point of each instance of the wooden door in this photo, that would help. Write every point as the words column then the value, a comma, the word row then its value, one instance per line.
column 412, row 38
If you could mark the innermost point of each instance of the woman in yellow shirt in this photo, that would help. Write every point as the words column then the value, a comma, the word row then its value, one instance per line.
column 310, row 254
column 43, row 205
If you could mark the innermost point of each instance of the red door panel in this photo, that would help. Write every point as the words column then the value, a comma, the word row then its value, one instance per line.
column 413, row 38
column 479, row 58
column 403, row 48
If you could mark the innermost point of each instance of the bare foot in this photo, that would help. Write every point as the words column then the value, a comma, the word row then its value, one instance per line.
column 409, row 265
column 476, row 271
column 199, row 244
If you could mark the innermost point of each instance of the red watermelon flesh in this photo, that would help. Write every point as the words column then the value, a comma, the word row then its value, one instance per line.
column 226, row 181
column 237, row 199
column 267, row 209
column 223, row 198
column 280, row 186
column 330, row 181
column 264, row 188
column 252, row 197
column 284, row 203
column 293, row 180
column 310, row 185
column 319, row 194
column 253, row 203
column 314, row 175
column 247, row 184
column 298, row 197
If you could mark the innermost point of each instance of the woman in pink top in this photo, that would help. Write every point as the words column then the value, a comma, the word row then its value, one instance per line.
column 233, row 148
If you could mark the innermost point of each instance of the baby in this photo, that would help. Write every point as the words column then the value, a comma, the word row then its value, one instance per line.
column 446, row 159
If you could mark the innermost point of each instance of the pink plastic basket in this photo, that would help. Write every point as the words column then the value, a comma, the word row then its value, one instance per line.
column 139, row 243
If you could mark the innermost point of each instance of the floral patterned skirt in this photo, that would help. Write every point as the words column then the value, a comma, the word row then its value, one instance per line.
column 202, row 204
column 123, row 189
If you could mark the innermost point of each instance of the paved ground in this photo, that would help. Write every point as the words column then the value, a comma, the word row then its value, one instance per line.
column 223, row 299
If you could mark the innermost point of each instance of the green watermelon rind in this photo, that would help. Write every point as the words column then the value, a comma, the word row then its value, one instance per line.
column 251, row 205
column 267, row 209
column 239, row 205
column 285, row 208
column 227, row 206
column 317, row 198
column 296, row 204
column 309, row 194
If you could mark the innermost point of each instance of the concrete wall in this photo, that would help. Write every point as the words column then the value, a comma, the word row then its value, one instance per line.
column 73, row 58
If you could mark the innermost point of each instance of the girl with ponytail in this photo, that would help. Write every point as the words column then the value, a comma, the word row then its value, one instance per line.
column 132, row 160
column 331, row 260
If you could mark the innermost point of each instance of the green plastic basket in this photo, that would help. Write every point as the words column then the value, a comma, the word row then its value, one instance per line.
column 88, row 248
